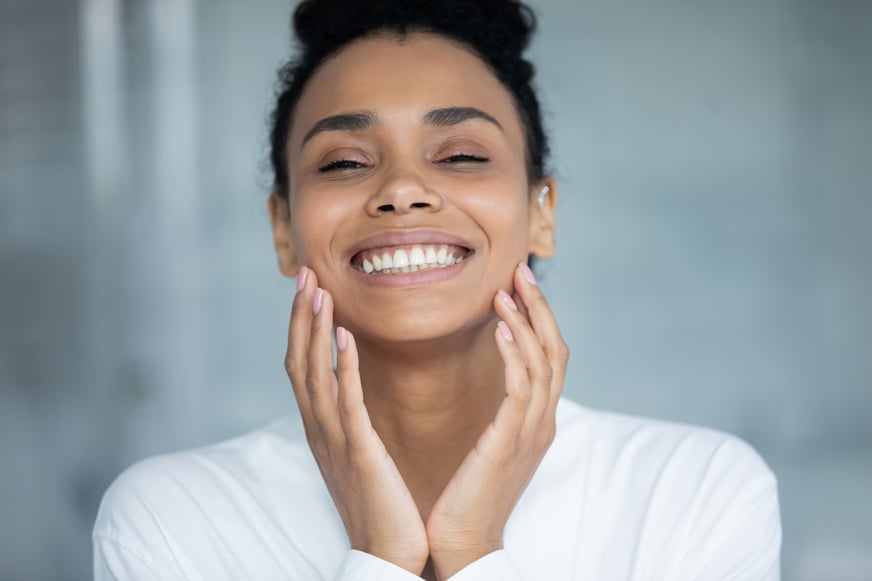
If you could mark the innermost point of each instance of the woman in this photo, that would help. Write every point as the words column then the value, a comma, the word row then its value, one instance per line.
column 410, row 192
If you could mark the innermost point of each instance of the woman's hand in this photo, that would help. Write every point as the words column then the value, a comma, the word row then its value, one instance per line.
column 379, row 513
column 468, row 519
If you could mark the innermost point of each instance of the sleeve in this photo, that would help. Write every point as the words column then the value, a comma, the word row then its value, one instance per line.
column 738, row 534
column 115, row 562
column 494, row 566
column 361, row 566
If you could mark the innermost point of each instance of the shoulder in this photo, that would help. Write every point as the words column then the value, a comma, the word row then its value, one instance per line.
column 251, row 507
column 668, row 470
column 204, row 481
column 689, row 498
column 643, row 446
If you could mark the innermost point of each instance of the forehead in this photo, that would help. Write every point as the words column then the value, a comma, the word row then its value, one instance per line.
column 402, row 76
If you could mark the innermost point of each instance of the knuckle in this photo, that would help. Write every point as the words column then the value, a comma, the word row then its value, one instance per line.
column 542, row 371
column 561, row 353
column 549, row 431
column 347, row 405
column 293, row 367
column 545, row 435
column 311, row 385
column 523, row 393
column 544, row 442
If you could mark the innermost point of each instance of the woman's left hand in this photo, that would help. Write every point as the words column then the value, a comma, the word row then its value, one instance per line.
column 468, row 519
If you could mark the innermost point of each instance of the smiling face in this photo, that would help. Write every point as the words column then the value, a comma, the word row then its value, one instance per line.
column 409, row 196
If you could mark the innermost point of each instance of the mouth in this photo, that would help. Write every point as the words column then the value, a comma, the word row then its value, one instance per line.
column 388, row 260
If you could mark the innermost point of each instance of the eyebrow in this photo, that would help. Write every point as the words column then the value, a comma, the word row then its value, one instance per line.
column 342, row 122
column 444, row 117
column 453, row 115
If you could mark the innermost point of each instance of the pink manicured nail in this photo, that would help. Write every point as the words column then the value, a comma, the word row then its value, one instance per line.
column 301, row 278
column 508, row 300
column 341, row 339
column 505, row 331
column 316, row 301
column 528, row 274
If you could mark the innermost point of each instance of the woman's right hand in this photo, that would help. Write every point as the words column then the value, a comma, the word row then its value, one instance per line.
column 379, row 513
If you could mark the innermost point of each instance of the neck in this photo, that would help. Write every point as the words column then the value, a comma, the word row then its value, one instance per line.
column 430, row 401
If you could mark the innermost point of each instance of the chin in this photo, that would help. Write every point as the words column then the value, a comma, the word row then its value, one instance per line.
column 405, row 326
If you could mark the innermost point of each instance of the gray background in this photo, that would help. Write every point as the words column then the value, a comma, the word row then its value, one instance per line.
column 715, row 167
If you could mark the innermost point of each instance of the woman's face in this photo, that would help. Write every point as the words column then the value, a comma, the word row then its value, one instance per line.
column 403, row 152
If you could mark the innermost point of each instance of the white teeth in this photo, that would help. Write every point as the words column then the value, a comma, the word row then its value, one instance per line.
column 401, row 259
column 409, row 259
column 416, row 256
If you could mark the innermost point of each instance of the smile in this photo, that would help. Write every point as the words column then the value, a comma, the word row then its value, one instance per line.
column 408, row 258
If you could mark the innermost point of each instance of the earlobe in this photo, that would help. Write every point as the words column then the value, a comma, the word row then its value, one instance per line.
column 543, row 206
column 283, row 240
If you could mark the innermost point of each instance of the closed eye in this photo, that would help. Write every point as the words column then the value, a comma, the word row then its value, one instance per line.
column 340, row 164
column 465, row 158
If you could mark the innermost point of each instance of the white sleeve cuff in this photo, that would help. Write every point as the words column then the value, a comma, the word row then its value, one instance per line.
column 492, row 567
column 360, row 566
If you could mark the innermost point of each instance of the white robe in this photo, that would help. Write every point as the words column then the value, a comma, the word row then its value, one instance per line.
column 615, row 498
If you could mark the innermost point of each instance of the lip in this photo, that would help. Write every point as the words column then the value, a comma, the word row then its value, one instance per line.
column 406, row 238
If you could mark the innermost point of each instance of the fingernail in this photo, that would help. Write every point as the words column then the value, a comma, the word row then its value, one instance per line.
column 316, row 301
column 301, row 278
column 341, row 339
column 508, row 300
column 528, row 274
column 505, row 331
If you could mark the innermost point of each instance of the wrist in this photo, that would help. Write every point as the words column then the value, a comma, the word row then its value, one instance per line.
column 412, row 560
column 448, row 561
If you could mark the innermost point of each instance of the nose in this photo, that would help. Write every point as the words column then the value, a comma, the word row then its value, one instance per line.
column 402, row 193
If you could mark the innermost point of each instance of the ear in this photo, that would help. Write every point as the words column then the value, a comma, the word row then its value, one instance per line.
column 283, row 240
column 543, row 205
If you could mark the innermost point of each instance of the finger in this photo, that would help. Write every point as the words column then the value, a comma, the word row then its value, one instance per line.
column 512, row 412
column 352, row 411
column 321, row 382
column 522, row 308
column 545, row 326
column 538, row 312
column 537, row 367
column 299, row 330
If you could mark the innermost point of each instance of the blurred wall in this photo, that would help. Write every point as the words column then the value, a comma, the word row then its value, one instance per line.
column 714, row 265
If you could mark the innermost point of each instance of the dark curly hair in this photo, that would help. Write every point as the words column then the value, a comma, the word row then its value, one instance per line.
column 497, row 31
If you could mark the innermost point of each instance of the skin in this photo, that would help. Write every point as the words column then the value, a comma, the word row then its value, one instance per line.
column 436, row 414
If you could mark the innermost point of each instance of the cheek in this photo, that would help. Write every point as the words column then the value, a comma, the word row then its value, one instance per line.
column 315, row 217
column 504, row 216
column 305, row 237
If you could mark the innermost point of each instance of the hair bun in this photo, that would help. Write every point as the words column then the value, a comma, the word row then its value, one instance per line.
column 325, row 23
column 516, row 22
